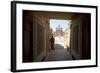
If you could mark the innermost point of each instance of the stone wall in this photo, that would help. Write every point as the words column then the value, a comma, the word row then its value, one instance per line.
column 80, row 36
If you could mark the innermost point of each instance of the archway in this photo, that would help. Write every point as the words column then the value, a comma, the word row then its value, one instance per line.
column 80, row 34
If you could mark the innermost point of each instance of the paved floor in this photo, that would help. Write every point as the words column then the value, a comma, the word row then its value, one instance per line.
column 58, row 54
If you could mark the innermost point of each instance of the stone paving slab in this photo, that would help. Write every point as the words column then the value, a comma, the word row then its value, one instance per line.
column 59, row 54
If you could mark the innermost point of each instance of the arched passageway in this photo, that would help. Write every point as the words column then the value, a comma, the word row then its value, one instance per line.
column 37, row 33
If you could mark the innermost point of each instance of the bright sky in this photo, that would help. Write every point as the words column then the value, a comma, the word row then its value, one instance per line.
column 55, row 22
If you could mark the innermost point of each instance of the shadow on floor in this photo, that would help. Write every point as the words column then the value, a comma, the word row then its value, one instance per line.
column 58, row 54
column 58, row 46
